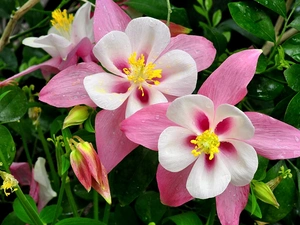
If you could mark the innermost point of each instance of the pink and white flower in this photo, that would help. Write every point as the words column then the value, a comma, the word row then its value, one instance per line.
column 207, row 147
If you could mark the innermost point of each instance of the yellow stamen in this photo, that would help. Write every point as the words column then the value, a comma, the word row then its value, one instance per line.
column 139, row 73
column 207, row 142
column 62, row 21
column 9, row 183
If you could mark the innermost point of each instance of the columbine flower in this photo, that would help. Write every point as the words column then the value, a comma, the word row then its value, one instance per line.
column 210, row 139
column 69, row 37
column 88, row 168
column 9, row 183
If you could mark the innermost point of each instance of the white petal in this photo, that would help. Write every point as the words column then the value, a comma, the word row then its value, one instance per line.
column 136, row 101
column 237, row 126
column 107, row 90
column 241, row 161
column 113, row 51
column 55, row 45
column 82, row 25
column 208, row 181
column 185, row 111
column 148, row 36
column 179, row 73
column 174, row 149
column 40, row 175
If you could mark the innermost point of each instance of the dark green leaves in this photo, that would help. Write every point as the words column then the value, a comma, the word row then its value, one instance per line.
column 252, row 18
column 292, row 77
column 292, row 47
column 184, row 219
column 292, row 112
column 7, row 146
column 277, row 6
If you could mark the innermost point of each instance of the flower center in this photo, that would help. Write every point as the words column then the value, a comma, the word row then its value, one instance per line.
column 9, row 183
column 139, row 73
column 207, row 142
column 62, row 22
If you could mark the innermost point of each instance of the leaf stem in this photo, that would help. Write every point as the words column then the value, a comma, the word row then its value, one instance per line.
column 169, row 12
column 70, row 197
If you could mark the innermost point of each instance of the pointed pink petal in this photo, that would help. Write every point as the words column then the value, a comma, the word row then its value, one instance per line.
column 22, row 172
column 108, row 16
column 66, row 88
column 201, row 49
column 228, row 83
column 34, row 191
column 231, row 203
column 50, row 65
column 112, row 144
column 274, row 139
column 82, row 49
column 145, row 126
column 172, row 186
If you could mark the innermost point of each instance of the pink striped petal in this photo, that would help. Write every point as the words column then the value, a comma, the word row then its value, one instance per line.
column 230, row 122
column 201, row 49
column 148, row 36
column 179, row 73
column 66, row 88
column 137, row 101
column 194, row 112
column 208, row 178
column 231, row 203
column 274, row 139
column 140, row 127
column 228, row 83
column 112, row 144
column 108, row 16
column 107, row 90
column 22, row 172
column 172, row 186
column 174, row 148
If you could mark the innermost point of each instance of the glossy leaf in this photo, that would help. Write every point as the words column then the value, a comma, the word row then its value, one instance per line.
column 21, row 212
column 133, row 175
column 123, row 215
column 260, row 173
column 253, row 19
column 184, row 219
column 9, row 60
column 79, row 221
column 296, row 23
column 7, row 145
column 217, row 16
column 292, row 47
column 12, row 219
column 277, row 6
column 48, row 213
column 149, row 208
column 292, row 112
column 13, row 105
column 292, row 77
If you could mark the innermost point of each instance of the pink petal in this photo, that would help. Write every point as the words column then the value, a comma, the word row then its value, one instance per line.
column 148, row 36
column 66, row 88
column 274, row 139
column 201, row 49
column 107, row 90
column 228, row 83
column 112, row 144
column 145, row 126
column 172, row 186
column 174, row 148
column 108, row 16
column 230, row 122
column 136, row 101
column 82, row 49
column 208, row 178
column 22, row 172
column 231, row 203
column 50, row 65
column 191, row 111
column 34, row 191
column 179, row 73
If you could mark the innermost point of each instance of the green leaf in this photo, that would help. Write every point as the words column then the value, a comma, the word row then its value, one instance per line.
column 149, row 208
column 292, row 112
column 48, row 213
column 253, row 19
column 11, row 218
column 3, row 94
column 184, row 219
column 292, row 47
column 21, row 212
column 123, row 215
column 277, row 6
column 13, row 105
column 252, row 207
column 79, row 221
column 208, row 4
column 217, row 16
column 133, row 175
column 292, row 77
column 262, row 167
column 295, row 23
column 7, row 145
column 9, row 60
column 200, row 10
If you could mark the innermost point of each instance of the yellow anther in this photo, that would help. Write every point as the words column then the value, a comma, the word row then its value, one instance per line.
column 9, row 183
column 207, row 142
column 62, row 21
column 139, row 73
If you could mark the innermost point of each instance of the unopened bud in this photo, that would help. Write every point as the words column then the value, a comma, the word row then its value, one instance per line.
column 76, row 116
column 264, row 193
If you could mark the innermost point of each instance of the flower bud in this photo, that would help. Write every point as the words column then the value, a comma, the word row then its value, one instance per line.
column 264, row 193
column 76, row 116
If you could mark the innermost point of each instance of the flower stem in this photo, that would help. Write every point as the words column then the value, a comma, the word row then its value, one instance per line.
column 71, row 198
column 95, row 201
column 24, row 142
column 169, row 12
column 106, row 213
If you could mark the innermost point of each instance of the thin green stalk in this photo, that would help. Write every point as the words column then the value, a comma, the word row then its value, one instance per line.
column 24, row 142
column 169, row 12
column 53, row 173
column 71, row 198
column 106, row 213
column 212, row 215
column 95, row 202
column 60, row 196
